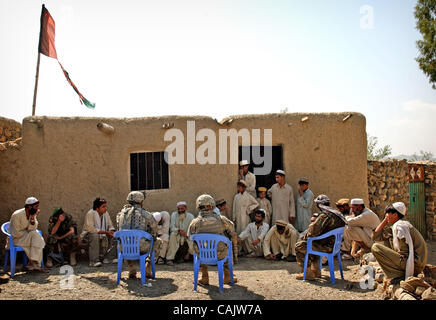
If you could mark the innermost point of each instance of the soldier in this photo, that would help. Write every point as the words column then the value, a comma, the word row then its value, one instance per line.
column 404, row 252
column 327, row 220
column 208, row 222
column 62, row 237
column 134, row 217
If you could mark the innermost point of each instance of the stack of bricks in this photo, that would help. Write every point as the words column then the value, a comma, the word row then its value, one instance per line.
column 387, row 183
column 10, row 133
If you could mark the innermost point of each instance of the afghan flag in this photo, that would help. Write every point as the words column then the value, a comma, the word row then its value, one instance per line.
column 47, row 47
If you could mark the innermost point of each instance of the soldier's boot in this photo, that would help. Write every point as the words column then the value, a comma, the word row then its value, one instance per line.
column 204, row 276
column 73, row 260
column 310, row 274
column 227, row 277
column 148, row 273
column 316, row 270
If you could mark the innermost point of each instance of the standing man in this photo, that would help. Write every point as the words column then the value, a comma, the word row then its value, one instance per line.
column 98, row 231
column 279, row 243
column 253, row 235
column 243, row 205
column 62, row 239
column 282, row 197
column 163, row 228
column 405, row 252
column 248, row 177
column 327, row 220
column 304, row 205
column 208, row 222
column 221, row 205
column 23, row 229
column 360, row 227
column 264, row 204
column 179, row 239
column 133, row 217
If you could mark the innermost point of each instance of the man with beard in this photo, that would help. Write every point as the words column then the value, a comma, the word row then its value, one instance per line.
column 253, row 235
column 279, row 243
column 179, row 240
column 327, row 220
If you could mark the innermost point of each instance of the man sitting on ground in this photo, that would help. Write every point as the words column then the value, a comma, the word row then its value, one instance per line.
column 98, row 231
column 62, row 240
column 279, row 242
column 253, row 235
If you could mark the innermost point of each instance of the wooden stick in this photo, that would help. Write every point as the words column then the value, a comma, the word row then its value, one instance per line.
column 36, row 84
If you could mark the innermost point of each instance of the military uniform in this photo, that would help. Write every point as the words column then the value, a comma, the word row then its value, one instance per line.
column 66, row 246
column 134, row 217
column 209, row 222
column 329, row 219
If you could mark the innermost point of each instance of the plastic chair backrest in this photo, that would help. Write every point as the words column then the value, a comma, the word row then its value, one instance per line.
column 337, row 233
column 130, row 242
column 207, row 246
column 5, row 228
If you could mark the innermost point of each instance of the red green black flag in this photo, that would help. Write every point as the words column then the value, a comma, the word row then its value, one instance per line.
column 47, row 47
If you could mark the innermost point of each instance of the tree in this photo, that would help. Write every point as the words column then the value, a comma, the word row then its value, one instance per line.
column 425, row 14
column 285, row 110
column 376, row 154
column 424, row 155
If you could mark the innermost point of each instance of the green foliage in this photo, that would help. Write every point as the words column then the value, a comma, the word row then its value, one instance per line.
column 377, row 154
column 425, row 14
column 424, row 155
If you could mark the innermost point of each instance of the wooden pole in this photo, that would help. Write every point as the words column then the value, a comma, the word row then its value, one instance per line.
column 36, row 84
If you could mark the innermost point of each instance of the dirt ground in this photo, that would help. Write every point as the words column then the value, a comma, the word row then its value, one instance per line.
column 258, row 279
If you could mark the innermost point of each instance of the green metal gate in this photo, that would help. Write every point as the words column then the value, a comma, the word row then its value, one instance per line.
column 416, row 210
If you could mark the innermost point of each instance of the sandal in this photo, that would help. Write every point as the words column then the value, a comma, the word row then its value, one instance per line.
column 160, row 260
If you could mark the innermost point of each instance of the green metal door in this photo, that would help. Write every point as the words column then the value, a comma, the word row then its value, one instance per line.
column 416, row 210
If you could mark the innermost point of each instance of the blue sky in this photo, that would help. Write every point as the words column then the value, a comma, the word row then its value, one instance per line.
column 217, row 58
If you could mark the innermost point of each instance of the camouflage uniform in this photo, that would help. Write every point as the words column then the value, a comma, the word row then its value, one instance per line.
column 134, row 217
column 209, row 222
column 67, row 245
column 326, row 221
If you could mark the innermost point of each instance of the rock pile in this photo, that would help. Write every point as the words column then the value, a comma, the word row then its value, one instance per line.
column 10, row 130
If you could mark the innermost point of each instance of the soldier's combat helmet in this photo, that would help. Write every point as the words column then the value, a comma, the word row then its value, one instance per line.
column 136, row 197
column 203, row 201
column 322, row 199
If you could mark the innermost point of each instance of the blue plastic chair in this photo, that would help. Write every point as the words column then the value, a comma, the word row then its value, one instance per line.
column 337, row 233
column 207, row 246
column 12, row 252
column 130, row 250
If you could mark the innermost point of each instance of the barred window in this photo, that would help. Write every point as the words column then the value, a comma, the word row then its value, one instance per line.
column 148, row 171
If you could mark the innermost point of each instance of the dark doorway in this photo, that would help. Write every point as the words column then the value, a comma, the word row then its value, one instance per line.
column 266, row 180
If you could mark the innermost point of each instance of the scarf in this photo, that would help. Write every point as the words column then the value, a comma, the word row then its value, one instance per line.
column 100, row 223
column 401, row 230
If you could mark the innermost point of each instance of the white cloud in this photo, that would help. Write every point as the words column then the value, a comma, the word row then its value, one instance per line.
column 418, row 106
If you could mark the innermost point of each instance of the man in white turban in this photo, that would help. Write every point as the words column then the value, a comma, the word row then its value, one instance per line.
column 360, row 227
column 179, row 239
column 23, row 229
column 163, row 226
column 248, row 177
column 403, row 252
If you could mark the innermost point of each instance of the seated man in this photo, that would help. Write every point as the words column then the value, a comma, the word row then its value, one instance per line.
column 62, row 240
column 279, row 242
column 209, row 222
column 133, row 217
column 98, row 231
column 360, row 227
column 404, row 252
column 23, row 229
column 163, row 228
column 327, row 220
column 179, row 241
column 253, row 235
column 343, row 205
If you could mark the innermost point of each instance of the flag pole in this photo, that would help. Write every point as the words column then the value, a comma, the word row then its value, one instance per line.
column 36, row 84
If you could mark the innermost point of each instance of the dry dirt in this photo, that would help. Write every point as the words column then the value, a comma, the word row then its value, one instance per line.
column 257, row 279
